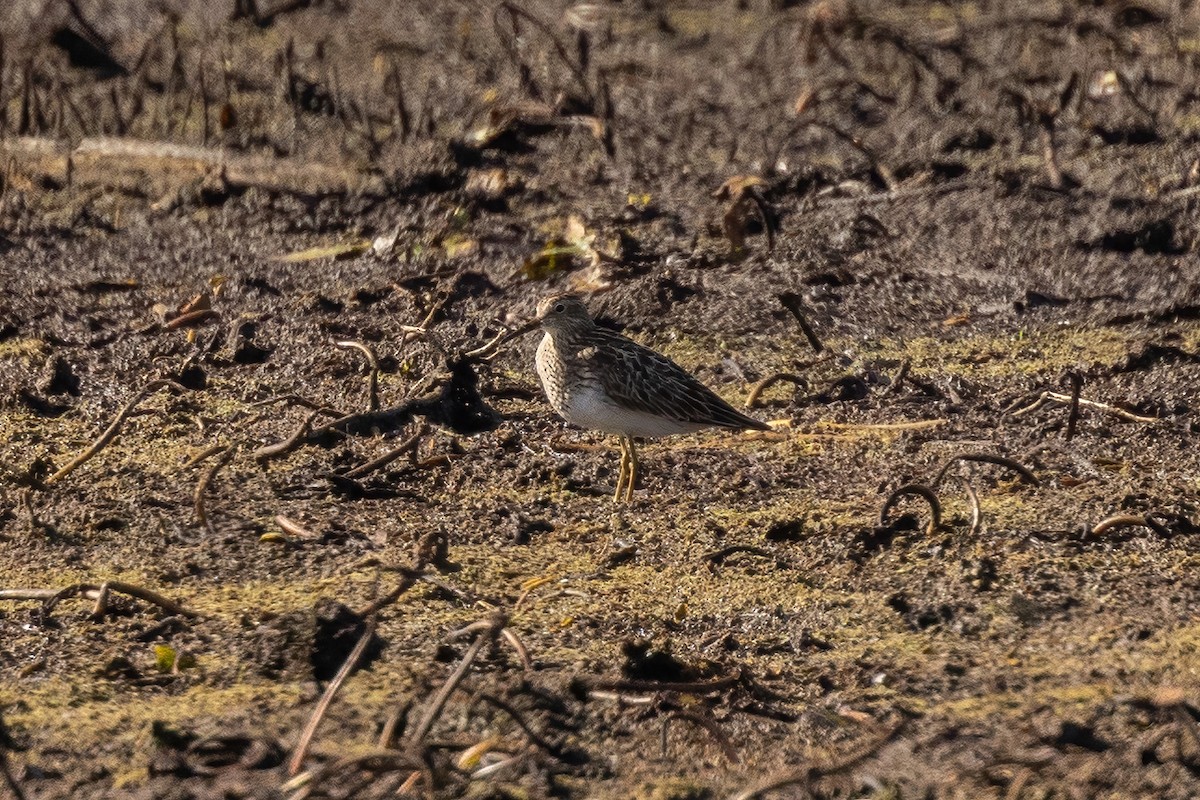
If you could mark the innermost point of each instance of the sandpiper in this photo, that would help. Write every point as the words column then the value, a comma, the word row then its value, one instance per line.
column 598, row 379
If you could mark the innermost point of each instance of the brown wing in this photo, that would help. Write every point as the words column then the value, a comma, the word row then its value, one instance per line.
column 641, row 379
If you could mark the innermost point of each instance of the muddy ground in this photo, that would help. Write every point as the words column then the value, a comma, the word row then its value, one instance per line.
column 967, row 204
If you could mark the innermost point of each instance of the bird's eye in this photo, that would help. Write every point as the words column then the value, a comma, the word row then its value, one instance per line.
column 560, row 308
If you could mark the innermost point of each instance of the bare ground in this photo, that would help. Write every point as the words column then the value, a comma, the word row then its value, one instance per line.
column 971, row 205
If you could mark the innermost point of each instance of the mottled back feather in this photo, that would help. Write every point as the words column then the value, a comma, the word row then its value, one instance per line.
column 640, row 379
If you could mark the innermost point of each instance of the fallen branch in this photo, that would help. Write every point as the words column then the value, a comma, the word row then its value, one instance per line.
column 807, row 775
column 686, row 687
column 757, row 389
column 708, row 724
column 409, row 446
column 114, row 428
column 795, row 305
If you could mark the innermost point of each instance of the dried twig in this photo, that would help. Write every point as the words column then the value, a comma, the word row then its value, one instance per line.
column 1073, row 416
column 1058, row 397
column 493, row 627
column 707, row 723
column 114, row 428
column 795, row 305
column 807, row 775
column 1127, row 521
column 409, row 446
column 987, row 458
column 10, row 780
column 293, row 441
column 293, row 528
column 310, row 729
column 204, row 455
column 757, row 389
column 686, row 687
column 373, row 378
column 916, row 490
column 93, row 591
column 976, row 512
column 203, row 484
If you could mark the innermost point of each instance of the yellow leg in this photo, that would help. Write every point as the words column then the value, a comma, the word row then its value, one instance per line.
column 634, row 463
column 621, row 471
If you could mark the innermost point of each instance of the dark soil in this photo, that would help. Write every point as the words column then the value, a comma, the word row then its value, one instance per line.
column 962, row 206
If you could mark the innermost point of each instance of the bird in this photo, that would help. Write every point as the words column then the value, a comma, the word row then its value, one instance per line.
column 598, row 379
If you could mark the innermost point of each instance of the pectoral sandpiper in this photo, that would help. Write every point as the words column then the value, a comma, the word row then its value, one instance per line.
column 598, row 379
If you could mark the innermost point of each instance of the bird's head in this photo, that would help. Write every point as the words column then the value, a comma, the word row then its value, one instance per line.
column 563, row 312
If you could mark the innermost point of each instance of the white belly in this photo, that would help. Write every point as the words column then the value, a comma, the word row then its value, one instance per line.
column 590, row 408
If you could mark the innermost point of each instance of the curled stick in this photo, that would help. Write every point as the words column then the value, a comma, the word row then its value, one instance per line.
column 310, row 729
column 203, row 455
column 533, row 735
column 202, row 487
column 987, row 458
column 292, row 442
column 769, row 381
column 373, row 379
column 1058, row 397
column 114, row 428
column 1126, row 521
column 493, row 346
column 515, row 642
column 916, row 490
column 804, row 776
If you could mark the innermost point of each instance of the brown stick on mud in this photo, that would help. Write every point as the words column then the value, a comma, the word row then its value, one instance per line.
column 113, row 429
column 434, row 710
column 52, row 597
column 310, row 729
column 757, row 389
column 202, row 487
column 409, row 446
column 1076, row 381
column 795, row 304
column 916, row 490
column 987, row 458
column 10, row 780
column 373, row 378
column 976, row 512
column 686, row 687
column 293, row 441
column 1129, row 521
